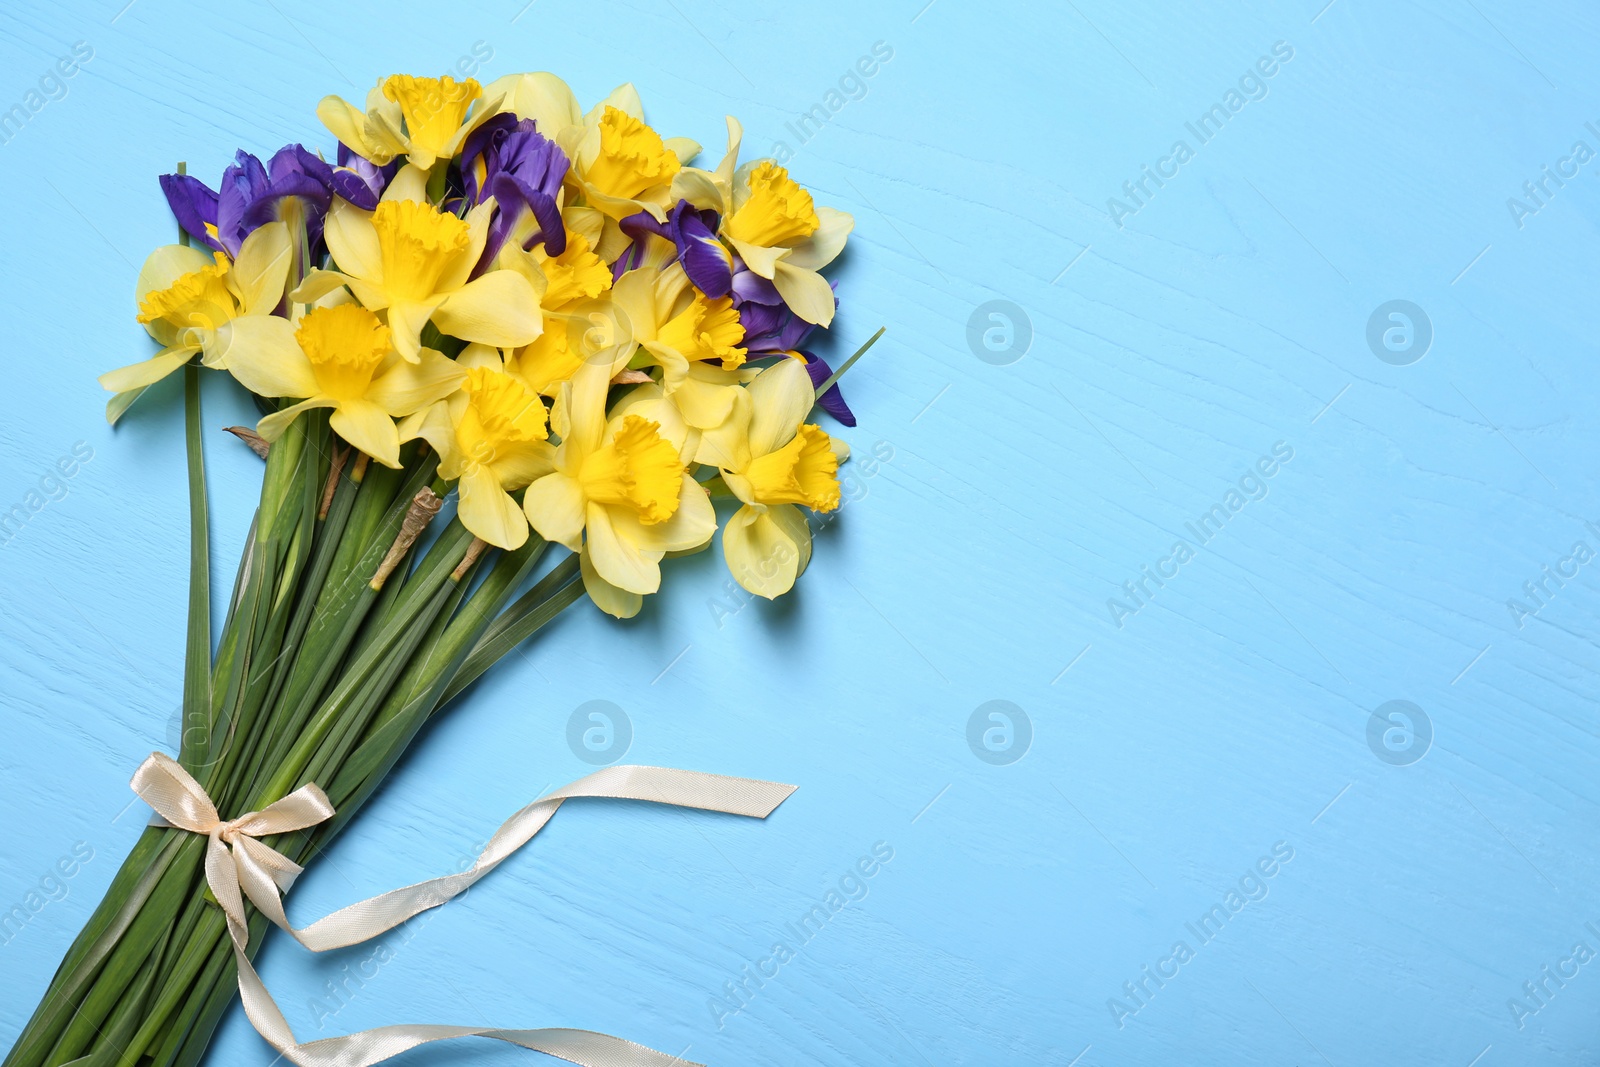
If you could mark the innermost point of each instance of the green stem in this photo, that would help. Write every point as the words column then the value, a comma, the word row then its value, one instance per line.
column 197, row 650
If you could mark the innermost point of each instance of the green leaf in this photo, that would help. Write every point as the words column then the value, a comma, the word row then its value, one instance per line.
column 847, row 364
column 197, row 651
column 547, row 599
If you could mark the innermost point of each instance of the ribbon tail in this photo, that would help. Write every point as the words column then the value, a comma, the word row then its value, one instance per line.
column 222, row 875
column 368, row 918
column 587, row 1048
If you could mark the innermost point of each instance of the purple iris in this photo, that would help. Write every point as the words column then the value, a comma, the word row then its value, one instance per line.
column 293, row 184
column 832, row 401
column 693, row 232
column 359, row 181
column 510, row 160
column 771, row 329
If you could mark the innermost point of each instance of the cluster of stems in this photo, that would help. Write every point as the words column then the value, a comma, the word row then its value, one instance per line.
column 348, row 628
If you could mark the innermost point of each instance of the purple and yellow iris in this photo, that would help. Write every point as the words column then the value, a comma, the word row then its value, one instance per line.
column 360, row 181
column 294, row 186
column 510, row 160
column 693, row 232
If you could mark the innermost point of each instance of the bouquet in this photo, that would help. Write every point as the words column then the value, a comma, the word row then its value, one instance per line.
column 491, row 301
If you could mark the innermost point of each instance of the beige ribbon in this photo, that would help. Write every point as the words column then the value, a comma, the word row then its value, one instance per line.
column 239, row 866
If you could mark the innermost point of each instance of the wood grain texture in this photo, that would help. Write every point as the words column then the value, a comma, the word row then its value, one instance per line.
column 1229, row 713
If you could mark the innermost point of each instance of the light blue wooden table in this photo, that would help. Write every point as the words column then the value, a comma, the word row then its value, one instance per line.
column 1195, row 349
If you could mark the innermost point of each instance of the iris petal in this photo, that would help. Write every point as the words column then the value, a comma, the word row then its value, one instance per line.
column 194, row 206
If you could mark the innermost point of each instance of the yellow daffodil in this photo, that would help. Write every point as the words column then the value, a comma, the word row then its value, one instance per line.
column 415, row 262
column 620, row 492
column 622, row 166
column 186, row 295
column 423, row 119
column 706, row 328
column 773, row 224
column 627, row 162
column 681, row 328
column 775, row 464
column 492, row 435
column 572, row 280
column 338, row 357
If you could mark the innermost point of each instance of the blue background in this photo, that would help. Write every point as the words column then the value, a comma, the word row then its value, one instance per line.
column 1229, row 713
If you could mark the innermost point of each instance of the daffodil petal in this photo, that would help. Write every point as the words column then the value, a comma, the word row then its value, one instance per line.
column 682, row 147
column 273, row 425
column 699, row 188
column 405, row 327
column 488, row 510
column 261, row 352
column 455, row 275
column 487, row 107
column 691, row 527
column 262, row 269
column 823, row 246
column 607, row 597
column 706, row 403
column 369, row 428
column 121, row 403
column 353, row 242
column 410, row 183
column 792, row 521
column 586, row 222
column 555, row 506
column 584, row 409
column 761, row 555
column 780, row 399
column 624, row 98
column 520, row 465
column 692, row 523
column 148, row 372
column 317, row 285
column 807, row 293
column 540, row 96
column 617, row 560
column 499, row 308
column 481, row 355
column 432, row 424
column 730, row 159
column 760, row 259
column 348, row 124
column 407, row 387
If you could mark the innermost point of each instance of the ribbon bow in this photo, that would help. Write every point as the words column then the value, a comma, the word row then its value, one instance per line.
column 235, row 859
column 239, row 866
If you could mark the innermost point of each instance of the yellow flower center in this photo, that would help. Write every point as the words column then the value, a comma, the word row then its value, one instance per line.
column 345, row 345
column 707, row 329
column 576, row 274
column 639, row 469
column 804, row 471
column 632, row 157
column 198, row 299
column 434, row 108
column 502, row 416
column 417, row 243
column 776, row 211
